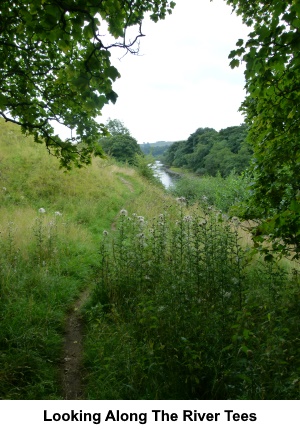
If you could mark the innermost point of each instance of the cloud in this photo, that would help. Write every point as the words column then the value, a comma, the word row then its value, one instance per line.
column 182, row 79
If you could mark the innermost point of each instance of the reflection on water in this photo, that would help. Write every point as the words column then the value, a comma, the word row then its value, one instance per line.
column 160, row 173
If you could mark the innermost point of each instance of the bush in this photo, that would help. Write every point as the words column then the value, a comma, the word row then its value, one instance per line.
column 223, row 193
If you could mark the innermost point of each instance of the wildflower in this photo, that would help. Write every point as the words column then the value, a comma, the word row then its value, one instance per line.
column 105, row 233
column 181, row 200
column 202, row 223
column 187, row 218
column 4, row 188
column 161, row 216
column 57, row 213
column 141, row 219
column 42, row 210
column 204, row 198
column 140, row 235
column 123, row 212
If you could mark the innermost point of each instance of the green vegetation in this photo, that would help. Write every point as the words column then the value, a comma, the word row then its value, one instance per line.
column 156, row 149
column 225, row 194
column 55, row 66
column 210, row 152
column 180, row 307
column 271, row 56
column 181, row 310
column 120, row 144
column 47, row 258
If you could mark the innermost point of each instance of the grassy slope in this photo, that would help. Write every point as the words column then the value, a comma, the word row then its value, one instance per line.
column 46, row 260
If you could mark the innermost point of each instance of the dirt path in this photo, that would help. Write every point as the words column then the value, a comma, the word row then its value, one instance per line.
column 71, row 371
column 127, row 183
column 71, row 368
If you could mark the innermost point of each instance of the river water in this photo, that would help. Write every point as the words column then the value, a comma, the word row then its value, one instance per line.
column 161, row 173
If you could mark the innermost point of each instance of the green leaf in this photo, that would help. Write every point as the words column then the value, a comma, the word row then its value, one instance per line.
column 234, row 63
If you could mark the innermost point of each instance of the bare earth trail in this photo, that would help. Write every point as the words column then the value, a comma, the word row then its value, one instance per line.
column 71, row 368
column 72, row 371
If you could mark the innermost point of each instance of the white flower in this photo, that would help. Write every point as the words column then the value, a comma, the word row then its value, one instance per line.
column 187, row 218
column 181, row 199
column 105, row 233
column 57, row 213
column 123, row 212
column 4, row 188
column 42, row 210
column 141, row 219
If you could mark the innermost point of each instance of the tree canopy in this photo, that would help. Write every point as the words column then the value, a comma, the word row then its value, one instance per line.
column 272, row 109
column 207, row 151
column 120, row 144
column 55, row 65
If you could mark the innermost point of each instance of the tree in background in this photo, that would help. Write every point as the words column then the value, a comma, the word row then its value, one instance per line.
column 120, row 144
column 116, row 127
column 55, row 65
column 272, row 108
column 207, row 151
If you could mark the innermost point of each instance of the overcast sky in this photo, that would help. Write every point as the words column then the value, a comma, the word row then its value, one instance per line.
column 182, row 79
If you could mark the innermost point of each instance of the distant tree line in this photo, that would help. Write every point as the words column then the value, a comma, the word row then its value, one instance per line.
column 156, row 149
column 208, row 151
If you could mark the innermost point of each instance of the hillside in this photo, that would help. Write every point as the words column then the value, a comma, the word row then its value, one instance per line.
column 113, row 289
column 51, row 223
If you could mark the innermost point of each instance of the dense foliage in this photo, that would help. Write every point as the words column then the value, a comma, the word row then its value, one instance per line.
column 120, row 144
column 55, row 65
column 272, row 58
column 181, row 311
column 207, row 151
column 225, row 194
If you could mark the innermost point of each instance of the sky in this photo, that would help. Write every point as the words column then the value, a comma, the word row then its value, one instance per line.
column 181, row 80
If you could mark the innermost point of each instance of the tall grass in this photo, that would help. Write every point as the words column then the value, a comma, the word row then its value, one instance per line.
column 179, row 308
column 182, row 311
column 223, row 193
column 46, row 259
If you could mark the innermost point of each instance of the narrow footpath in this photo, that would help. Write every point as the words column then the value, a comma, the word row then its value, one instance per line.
column 71, row 369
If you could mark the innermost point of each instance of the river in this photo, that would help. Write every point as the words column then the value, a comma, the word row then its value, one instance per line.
column 160, row 172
